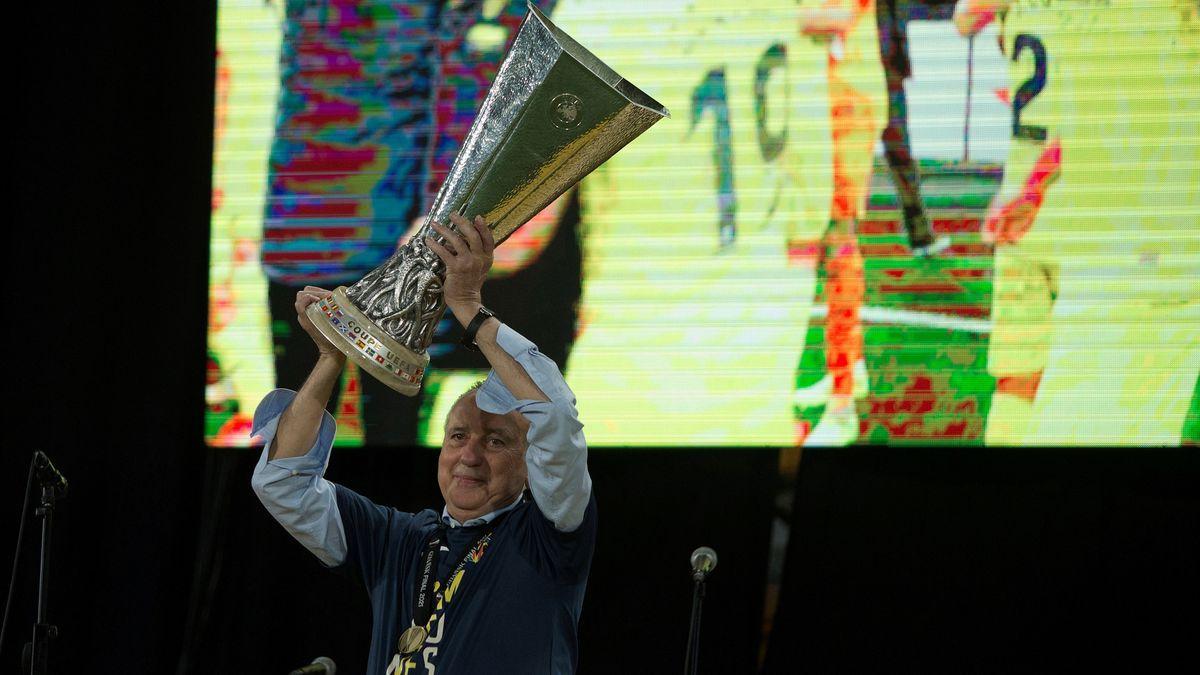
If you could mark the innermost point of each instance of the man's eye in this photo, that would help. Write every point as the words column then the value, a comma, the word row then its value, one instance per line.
column 458, row 435
column 496, row 442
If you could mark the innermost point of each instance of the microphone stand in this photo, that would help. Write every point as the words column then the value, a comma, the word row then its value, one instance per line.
column 692, row 660
column 43, row 630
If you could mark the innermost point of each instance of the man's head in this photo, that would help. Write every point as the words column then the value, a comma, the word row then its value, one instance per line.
column 482, row 464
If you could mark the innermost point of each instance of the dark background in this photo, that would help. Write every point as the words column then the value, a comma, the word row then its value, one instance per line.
column 163, row 561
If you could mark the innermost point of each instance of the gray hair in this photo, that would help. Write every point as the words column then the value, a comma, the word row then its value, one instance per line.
column 470, row 390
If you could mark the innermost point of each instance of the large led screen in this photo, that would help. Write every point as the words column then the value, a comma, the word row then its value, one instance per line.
column 864, row 222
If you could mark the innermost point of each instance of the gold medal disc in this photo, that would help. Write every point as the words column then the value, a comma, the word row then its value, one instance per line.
column 412, row 639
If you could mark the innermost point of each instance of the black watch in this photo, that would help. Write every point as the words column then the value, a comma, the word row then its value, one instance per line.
column 468, row 338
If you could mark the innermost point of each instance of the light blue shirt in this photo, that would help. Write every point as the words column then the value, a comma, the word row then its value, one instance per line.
column 296, row 494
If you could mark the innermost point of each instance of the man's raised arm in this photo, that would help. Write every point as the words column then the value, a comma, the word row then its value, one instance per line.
column 468, row 257
column 522, row 379
column 301, row 420
column 298, row 432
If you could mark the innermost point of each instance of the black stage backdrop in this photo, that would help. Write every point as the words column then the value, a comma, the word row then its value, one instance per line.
column 994, row 561
column 164, row 562
column 107, row 255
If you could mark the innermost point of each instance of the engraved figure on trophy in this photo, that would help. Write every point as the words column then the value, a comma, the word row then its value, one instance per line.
column 404, row 299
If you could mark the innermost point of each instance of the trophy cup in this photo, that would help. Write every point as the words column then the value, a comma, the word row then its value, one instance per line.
column 554, row 114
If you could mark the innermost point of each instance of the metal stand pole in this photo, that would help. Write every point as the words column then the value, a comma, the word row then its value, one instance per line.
column 43, row 631
column 692, row 661
column 53, row 486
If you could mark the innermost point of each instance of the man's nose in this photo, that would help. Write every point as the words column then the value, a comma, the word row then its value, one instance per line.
column 472, row 454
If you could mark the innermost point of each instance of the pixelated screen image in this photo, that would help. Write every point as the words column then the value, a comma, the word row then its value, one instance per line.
column 865, row 222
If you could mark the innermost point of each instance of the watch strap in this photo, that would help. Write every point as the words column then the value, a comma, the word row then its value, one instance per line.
column 468, row 338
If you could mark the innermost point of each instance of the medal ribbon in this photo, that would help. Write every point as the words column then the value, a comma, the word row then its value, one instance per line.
column 424, row 601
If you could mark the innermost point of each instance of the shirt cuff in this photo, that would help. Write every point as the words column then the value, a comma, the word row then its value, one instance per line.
column 493, row 397
column 266, row 425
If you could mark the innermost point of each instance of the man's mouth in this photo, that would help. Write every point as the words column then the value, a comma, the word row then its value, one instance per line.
column 468, row 481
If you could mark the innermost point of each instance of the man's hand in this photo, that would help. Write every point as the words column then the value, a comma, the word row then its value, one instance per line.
column 468, row 257
column 1006, row 223
column 1009, row 220
column 304, row 298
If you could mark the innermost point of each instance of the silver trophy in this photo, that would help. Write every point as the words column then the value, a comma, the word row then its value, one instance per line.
column 554, row 114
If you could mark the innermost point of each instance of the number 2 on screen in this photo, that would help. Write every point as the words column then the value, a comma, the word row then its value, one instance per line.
column 1030, row 88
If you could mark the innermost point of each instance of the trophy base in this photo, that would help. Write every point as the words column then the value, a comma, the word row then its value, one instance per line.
column 366, row 344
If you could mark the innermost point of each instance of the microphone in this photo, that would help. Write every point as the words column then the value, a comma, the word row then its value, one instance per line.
column 322, row 665
column 47, row 474
column 704, row 561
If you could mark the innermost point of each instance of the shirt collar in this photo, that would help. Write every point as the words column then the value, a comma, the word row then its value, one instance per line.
column 481, row 520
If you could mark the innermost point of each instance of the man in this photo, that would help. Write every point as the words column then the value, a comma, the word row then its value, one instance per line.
column 856, row 109
column 502, row 574
column 1025, row 272
column 1094, row 304
column 1124, row 352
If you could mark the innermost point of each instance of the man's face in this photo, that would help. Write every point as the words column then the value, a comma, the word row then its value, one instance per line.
column 482, row 464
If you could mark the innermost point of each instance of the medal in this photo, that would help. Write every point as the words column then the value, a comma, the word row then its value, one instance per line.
column 411, row 640
column 424, row 597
